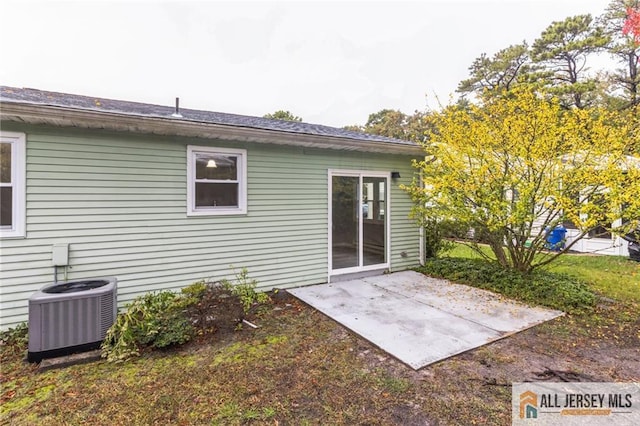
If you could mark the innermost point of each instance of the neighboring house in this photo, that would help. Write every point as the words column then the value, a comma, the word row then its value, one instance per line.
column 598, row 241
column 160, row 198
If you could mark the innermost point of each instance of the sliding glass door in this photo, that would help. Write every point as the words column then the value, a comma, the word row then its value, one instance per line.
column 359, row 221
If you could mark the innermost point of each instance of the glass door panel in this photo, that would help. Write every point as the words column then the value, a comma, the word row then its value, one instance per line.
column 345, row 250
column 374, row 223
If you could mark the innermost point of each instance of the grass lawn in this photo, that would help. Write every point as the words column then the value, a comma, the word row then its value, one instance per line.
column 301, row 368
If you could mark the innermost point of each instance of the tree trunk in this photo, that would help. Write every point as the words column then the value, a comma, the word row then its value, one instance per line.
column 496, row 245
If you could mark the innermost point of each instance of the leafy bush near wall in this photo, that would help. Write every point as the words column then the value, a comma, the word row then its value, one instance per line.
column 244, row 288
column 556, row 291
column 152, row 320
column 165, row 318
column 434, row 239
column 18, row 335
column 438, row 235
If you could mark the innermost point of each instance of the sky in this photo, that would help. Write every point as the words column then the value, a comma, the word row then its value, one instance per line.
column 329, row 62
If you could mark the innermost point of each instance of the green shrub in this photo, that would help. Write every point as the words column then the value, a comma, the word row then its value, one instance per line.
column 195, row 290
column 245, row 289
column 434, row 232
column 164, row 320
column 192, row 294
column 154, row 319
column 16, row 336
column 556, row 291
column 161, row 319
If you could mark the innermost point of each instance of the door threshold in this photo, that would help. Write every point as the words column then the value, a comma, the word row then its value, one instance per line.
column 356, row 275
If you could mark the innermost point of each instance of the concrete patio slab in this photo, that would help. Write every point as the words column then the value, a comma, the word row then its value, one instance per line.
column 418, row 319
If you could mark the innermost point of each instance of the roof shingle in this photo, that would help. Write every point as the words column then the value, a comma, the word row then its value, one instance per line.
column 65, row 100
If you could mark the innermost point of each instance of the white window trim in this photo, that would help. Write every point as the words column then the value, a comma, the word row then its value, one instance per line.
column 18, row 179
column 191, row 182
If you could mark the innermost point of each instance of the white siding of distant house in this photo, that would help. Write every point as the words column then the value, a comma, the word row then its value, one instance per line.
column 614, row 246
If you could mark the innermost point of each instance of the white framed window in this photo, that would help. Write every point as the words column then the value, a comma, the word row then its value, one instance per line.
column 216, row 181
column 12, row 184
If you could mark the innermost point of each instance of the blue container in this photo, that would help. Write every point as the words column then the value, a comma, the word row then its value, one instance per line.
column 556, row 238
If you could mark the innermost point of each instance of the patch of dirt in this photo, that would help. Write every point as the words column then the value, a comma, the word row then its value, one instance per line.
column 566, row 349
column 219, row 310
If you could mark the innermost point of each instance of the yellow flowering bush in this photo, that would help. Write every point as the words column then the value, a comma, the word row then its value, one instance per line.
column 520, row 164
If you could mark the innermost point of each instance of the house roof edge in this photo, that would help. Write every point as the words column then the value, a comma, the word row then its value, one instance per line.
column 60, row 116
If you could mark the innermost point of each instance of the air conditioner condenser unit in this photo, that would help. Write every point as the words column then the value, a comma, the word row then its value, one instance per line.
column 70, row 316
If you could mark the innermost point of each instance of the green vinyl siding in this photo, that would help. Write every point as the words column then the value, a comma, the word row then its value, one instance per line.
column 119, row 201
